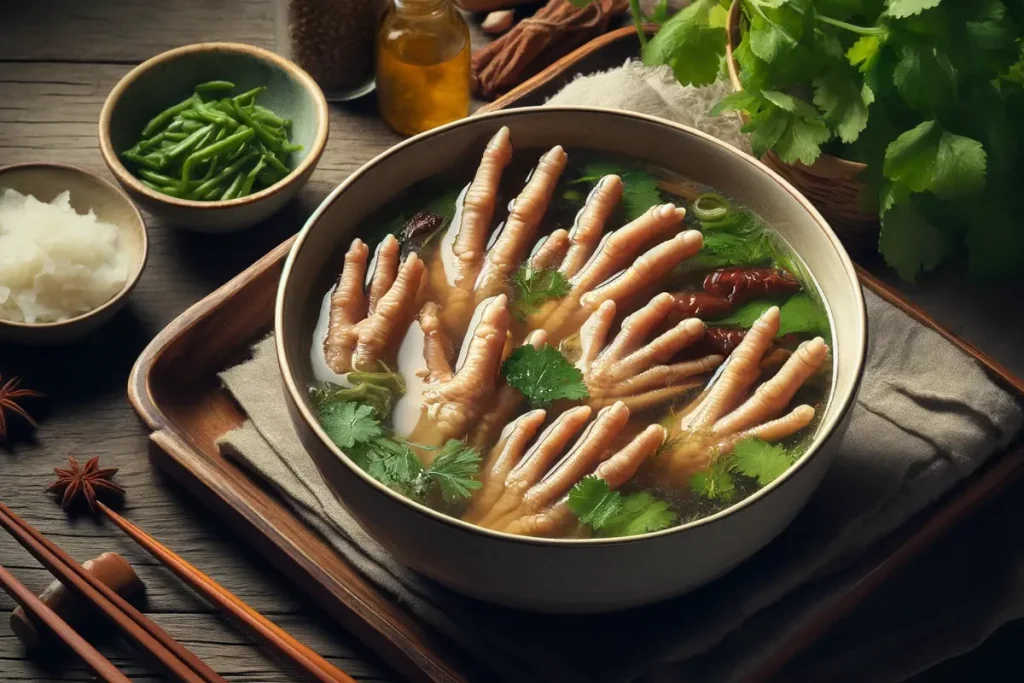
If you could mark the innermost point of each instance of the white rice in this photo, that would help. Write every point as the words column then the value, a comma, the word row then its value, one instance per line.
column 55, row 264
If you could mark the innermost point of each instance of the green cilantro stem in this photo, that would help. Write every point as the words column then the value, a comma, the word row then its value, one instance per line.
column 853, row 28
column 638, row 19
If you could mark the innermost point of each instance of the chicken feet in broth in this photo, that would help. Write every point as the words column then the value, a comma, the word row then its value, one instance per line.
column 362, row 325
column 636, row 371
column 525, row 486
column 555, row 375
column 473, row 272
column 712, row 425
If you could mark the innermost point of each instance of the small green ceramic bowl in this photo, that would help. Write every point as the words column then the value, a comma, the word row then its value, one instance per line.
column 170, row 77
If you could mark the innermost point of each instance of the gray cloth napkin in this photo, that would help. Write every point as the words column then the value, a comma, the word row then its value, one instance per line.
column 926, row 417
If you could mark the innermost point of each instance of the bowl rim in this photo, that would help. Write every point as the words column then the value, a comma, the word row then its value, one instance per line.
column 128, row 287
column 858, row 345
column 125, row 176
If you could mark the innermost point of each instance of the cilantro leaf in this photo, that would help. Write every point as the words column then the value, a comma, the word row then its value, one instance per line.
column 593, row 502
column 690, row 44
column 760, row 460
column 925, row 77
column 531, row 287
column 774, row 31
column 864, row 53
column 927, row 157
column 609, row 513
column 801, row 314
column 454, row 470
column 714, row 483
column 746, row 315
column 909, row 243
column 391, row 463
column 836, row 93
column 349, row 423
column 639, row 189
column 640, row 513
column 543, row 375
column 806, row 130
column 900, row 9
column 802, row 141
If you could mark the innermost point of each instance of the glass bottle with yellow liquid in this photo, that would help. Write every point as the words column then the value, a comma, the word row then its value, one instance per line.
column 423, row 78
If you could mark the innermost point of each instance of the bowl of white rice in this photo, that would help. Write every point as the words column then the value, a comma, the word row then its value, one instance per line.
column 72, row 247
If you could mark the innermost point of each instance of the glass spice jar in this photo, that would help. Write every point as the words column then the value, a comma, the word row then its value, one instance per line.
column 423, row 77
column 333, row 40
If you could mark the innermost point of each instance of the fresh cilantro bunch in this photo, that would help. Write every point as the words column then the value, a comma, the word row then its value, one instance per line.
column 927, row 93
column 354, row 427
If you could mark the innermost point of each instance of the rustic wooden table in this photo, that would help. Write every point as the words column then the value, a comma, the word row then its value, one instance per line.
column 58, row 61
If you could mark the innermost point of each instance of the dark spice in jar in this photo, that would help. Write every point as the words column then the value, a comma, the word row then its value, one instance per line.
column 333, row 40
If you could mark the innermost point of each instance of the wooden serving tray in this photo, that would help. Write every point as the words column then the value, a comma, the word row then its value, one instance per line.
column 175, row 390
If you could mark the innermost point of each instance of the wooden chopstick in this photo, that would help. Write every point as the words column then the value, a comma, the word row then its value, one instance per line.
column 41, row 612
column 141, row 630
column 315, row 666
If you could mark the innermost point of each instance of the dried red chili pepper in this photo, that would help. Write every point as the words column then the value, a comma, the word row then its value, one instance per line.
column 738, row 285
column 698, row 304
column 423, row 223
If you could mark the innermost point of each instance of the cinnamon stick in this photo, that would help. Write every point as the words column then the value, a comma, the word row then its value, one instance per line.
column 555, row 30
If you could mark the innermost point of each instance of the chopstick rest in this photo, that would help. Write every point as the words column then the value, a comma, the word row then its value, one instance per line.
column 100, row 666
column 109, row 568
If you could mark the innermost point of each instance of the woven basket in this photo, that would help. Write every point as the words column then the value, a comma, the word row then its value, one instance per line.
column 832, row 184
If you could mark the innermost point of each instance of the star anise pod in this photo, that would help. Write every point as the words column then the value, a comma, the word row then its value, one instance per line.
column 8, row 393
column 86, row 482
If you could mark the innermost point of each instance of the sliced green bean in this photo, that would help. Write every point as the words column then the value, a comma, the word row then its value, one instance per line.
column 265, row 115
column 264, row 136
column 250, row 178
column 224, row 175
column 190, row 126
column 240, row 138
column 248, row 95
column 234, row 187
column 158, row 121
column 168, row 190
column 211, row 168
column 214, row 86
column 176, row 125
column 214, row 116
column 275, row 163
column 149, row 161
column 188, row 143
column 158, row 178
column 289, row 148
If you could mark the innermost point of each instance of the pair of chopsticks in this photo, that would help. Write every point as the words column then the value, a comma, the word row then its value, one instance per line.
column 144, row 633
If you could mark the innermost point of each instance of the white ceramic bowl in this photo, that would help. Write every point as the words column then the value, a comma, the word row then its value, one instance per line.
column 88, row 192
column 557, row 575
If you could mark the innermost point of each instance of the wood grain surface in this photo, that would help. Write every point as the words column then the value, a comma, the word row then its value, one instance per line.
column 58, row 60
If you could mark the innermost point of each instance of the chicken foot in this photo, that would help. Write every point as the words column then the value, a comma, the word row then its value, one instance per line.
column 525, row 487
column 475, row 272
column 631, row 368
column 361, row 325
column 721, row 416
column 608, row 267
